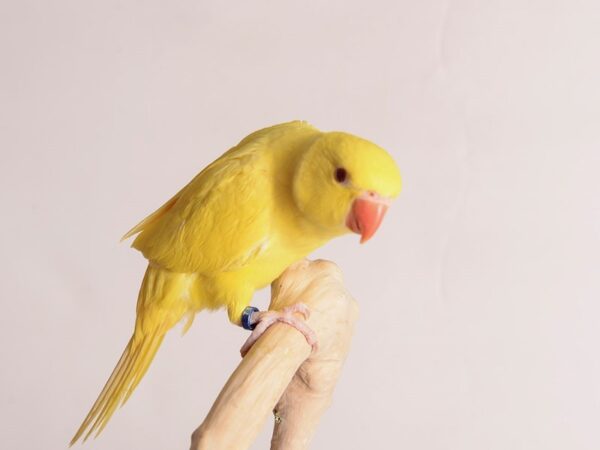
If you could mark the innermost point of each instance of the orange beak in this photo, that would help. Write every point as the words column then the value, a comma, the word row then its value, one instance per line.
column 366, row 215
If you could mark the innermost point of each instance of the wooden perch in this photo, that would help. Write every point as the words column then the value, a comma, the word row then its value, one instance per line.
column 280, row 374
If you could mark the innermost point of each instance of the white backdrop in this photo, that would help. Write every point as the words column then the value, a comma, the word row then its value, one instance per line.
column 479, row 296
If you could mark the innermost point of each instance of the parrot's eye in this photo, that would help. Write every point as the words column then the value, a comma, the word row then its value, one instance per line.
column 341, row 175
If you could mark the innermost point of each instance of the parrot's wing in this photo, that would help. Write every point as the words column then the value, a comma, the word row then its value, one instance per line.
column 220, row 221
column 152, row 218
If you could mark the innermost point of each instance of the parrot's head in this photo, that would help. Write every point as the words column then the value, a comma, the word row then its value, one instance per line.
column 344, row 183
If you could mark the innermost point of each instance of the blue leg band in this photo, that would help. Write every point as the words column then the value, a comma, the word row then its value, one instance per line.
column 246, row 315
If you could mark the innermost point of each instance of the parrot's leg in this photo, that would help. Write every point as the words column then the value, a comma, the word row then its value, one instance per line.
column 261, row 320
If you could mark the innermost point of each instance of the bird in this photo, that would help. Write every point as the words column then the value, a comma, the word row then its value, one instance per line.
column 269, row 201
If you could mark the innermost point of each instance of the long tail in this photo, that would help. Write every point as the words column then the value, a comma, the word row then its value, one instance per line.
column 160, row 306
column 124, row 379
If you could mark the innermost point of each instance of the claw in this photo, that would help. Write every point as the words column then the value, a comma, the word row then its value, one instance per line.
column 299, row 308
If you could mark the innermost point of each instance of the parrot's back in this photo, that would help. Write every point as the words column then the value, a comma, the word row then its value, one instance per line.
column 225, row 214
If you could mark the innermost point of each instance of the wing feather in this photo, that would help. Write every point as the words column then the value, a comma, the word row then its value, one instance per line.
column 220, row 220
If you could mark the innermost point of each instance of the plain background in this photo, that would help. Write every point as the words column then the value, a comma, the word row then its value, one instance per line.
column 479, row 296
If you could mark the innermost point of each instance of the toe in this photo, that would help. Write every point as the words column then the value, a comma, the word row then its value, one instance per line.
column 303, row 328
column 299, row 308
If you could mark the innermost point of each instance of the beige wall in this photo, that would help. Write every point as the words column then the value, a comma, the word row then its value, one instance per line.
column 479, row 296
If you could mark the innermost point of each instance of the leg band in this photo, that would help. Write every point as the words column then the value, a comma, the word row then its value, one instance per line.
column 246, row 315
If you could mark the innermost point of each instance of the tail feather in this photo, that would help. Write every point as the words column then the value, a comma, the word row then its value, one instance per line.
column 127, row 374
column 163, row 301
column 106, row 390
column 142, row 367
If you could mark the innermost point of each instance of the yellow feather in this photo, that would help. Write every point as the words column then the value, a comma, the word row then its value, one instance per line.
column 262, row 205
column 162, row 303
column 151, row 218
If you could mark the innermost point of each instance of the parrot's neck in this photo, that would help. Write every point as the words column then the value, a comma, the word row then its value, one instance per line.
column 301, row 234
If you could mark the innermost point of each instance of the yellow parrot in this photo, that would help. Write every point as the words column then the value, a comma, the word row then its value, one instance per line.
column 279, row 194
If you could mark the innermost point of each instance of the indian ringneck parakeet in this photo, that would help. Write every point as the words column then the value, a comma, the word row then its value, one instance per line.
column 279, row 194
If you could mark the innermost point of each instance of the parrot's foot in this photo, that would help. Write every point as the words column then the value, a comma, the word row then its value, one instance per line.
column 264, row 319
